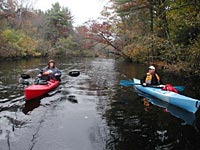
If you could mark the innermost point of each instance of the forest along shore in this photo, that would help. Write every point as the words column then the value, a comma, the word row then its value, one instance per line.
column 158, row 31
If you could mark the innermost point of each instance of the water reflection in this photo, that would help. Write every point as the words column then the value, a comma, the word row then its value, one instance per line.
column 188, row 117
column 35, row 103
column 31, row 105
column 91, row 112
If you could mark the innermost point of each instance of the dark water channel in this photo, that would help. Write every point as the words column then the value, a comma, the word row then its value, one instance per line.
column 102, row 114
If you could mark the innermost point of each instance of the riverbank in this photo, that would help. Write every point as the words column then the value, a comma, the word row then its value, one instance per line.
column 179, row 68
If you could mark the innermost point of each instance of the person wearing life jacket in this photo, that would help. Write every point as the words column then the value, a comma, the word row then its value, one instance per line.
column 151, row 77
column 50, row 72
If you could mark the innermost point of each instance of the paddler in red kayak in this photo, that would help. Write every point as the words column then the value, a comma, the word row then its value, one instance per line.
column 151, row 77
column 50, row 72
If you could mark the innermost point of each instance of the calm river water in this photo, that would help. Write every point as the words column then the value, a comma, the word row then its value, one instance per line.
column 103, row 115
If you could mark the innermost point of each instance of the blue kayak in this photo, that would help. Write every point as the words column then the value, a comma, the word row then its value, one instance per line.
column 173, row 98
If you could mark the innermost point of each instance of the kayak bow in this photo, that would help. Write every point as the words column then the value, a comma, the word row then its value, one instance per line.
column 37, row 90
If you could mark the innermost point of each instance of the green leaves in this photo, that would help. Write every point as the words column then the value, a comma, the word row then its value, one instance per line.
column 58, row 23
column 166, row 30
column 19, row 43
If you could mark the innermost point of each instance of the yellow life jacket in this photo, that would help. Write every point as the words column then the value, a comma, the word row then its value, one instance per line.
column 149, row 78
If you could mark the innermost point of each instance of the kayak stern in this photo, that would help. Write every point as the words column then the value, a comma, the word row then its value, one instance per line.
column 173, row 98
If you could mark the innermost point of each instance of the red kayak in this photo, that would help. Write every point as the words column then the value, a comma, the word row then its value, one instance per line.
column 37, row 90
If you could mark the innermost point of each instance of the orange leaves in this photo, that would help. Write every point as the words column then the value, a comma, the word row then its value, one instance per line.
column 127, row 6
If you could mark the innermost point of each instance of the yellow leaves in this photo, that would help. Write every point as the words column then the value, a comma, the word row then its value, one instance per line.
column 120, row 25
column 6, row 34
column 9, row 35
column 137, row 52
column 22, row 44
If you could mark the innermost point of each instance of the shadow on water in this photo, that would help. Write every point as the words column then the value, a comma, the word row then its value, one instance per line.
column 31, row 105
column 35, row 103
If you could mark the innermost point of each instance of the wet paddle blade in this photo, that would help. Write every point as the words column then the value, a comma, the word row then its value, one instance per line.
column 179, row 88
column 74, row 73
column 126, row 83
column 25, row 76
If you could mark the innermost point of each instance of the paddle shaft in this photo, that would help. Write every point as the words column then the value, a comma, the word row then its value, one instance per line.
column 71, row 73
column 131, row 83
column 154, row 86
column 24, row 77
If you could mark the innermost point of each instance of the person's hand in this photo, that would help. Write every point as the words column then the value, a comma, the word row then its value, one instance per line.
column 46, row 73
column 144, row 84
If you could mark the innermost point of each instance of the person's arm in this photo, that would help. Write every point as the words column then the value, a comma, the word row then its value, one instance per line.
column 57, row 73
column 161, row 82
column 142, row 81
column 41, row 72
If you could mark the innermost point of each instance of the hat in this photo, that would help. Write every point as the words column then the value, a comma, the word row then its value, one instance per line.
column 152, row 68
column 51, row 61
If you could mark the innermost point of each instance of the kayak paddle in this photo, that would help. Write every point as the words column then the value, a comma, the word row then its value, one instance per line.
column 71, row 73
column 131, row 83
column 74, row 73
column 25, row 76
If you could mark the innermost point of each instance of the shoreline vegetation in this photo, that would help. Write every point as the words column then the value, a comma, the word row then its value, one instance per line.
column 161, row 32
column 178, row 68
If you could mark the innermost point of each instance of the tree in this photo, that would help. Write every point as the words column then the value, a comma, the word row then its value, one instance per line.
column 59, row 23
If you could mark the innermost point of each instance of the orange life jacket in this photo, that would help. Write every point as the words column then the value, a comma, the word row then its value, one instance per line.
column 149, row 78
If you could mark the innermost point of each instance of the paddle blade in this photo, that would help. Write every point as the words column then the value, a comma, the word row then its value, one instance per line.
column 179, row 88
column 25, row 76
column 126, row 83
column 74, row 73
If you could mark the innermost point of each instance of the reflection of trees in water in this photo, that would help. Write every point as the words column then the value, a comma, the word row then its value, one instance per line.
column 126, row 125
column 131, row 127
column 193, row 86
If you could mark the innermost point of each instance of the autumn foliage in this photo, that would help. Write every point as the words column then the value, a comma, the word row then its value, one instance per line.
column 26, row 32
column 143, row 31
column 148, row 31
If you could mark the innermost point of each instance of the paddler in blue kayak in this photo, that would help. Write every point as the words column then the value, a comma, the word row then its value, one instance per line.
column 50, row 72
column 151, row 77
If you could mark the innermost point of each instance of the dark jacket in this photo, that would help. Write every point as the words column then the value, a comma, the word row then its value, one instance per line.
column 54, row 73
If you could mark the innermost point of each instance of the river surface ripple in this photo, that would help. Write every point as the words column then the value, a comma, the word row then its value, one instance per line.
column 91, row 111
